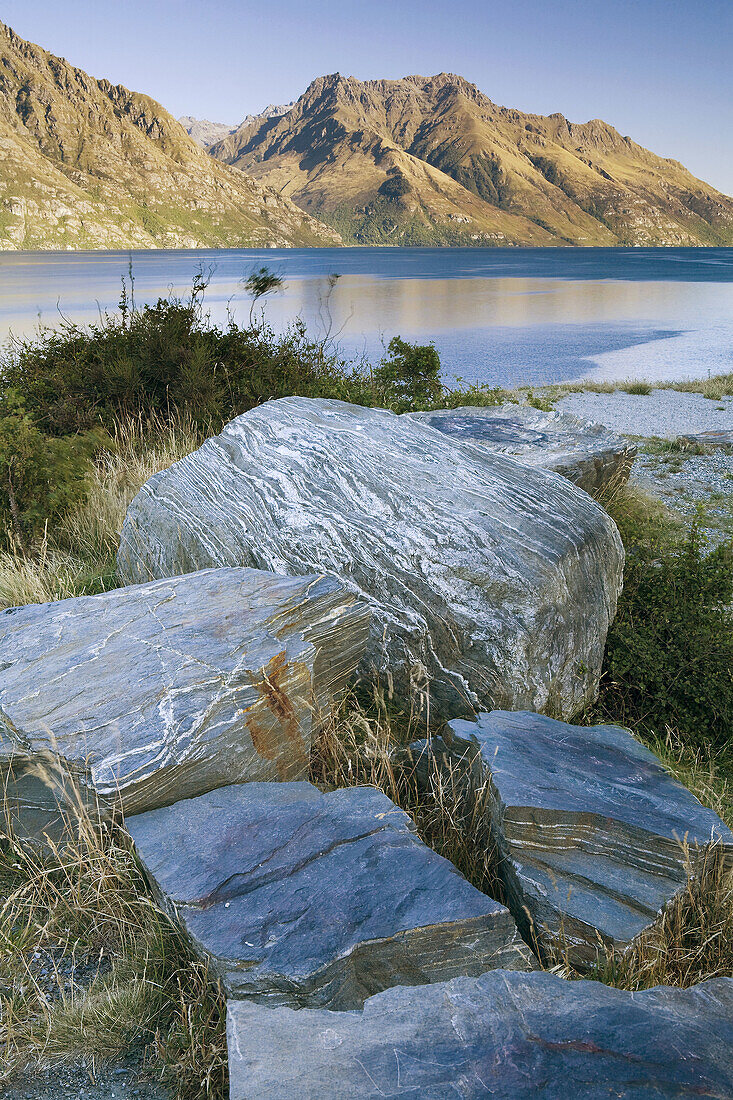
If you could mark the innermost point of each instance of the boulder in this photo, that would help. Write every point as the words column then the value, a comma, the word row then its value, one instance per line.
column 588, row 454
column 504, row 1035
column 492, row 580
column 309, row 899
column 713, row 438
column 596, row 836
column 164, row 690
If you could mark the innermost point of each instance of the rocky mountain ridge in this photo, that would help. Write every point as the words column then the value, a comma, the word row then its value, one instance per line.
column 432, row 160
column 89, row 164
column 206, row 133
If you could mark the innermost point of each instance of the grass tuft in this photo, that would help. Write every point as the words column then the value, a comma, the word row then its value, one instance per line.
column 90, row 967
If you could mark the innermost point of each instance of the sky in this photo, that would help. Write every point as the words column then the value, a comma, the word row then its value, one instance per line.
column 658, row 70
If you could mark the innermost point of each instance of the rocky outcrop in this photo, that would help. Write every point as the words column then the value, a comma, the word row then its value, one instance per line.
column 309, row 899
column 494, row 581
column 596, row 836
column 164, row 690
column 504, row 1035
column 587, row 454
column 713, row 438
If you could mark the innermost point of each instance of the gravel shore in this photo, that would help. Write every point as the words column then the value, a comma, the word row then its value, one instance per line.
column 666, row 414
column 682, row 479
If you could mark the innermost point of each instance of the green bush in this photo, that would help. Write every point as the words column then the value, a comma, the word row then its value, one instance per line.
column 669, row 653
column 41, row 477
column 410, row 377
column 168, row 360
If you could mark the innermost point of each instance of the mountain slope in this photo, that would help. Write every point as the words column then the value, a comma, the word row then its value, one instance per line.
column 86, row 164
column 433, row 160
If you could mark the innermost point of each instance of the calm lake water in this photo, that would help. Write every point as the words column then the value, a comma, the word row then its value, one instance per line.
column 500, row 316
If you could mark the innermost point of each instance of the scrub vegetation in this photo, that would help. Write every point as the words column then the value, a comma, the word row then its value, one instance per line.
column 89, row 965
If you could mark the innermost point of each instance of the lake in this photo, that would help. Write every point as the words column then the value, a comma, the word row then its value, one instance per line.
column 500, row 316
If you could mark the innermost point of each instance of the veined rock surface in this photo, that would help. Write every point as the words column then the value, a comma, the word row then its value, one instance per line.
column 586, row 453
column 304, row 898
column 164, row 690
column 505, row 1035
column 591, row 826
column 493, row 580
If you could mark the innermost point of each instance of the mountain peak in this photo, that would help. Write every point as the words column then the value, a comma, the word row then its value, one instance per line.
column 434, row 160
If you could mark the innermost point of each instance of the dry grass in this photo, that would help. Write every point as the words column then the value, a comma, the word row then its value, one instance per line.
column 715, row 387
column 78, row 556
column 361, row 746
column 90, row 968
column 692, row 942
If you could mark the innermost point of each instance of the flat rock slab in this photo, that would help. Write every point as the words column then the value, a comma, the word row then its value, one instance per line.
column 168, row 689
column 492, row 580
column 591, row 826
column 309, row 899
column 710, row 439
column 503, row 1035
column 584, row 452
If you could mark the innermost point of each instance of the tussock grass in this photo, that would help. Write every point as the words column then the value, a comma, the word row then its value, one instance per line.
column 90, row 967
column 693, row 940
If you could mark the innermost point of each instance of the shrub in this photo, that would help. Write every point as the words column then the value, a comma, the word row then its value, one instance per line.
column 40, row 476
column 669, row 653
column 410, row 376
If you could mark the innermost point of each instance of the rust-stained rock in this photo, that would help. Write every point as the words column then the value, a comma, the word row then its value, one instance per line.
column 164, row 690
column 492, row 580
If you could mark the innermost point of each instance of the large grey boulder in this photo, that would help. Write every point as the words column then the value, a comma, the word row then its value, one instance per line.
column 503, row 1035
column 163, row 690
column 495, row 581
column 587, row 453
column 596, row 836
column 303, row 898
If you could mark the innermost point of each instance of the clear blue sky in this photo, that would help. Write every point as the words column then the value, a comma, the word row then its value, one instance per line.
column 659, row 70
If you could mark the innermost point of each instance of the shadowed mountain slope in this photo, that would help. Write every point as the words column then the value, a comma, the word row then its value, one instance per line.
column 88, row 164
column 434, row 161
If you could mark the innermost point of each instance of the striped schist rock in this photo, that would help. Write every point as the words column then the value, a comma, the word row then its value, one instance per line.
column 586, row 453
column 491, row 581
column 596, row 837
column 144, row 695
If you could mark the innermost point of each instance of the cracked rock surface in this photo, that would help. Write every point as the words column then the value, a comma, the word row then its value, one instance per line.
column 595, row 833
column 505, row 1035
column 586, row 453
column 312, row 899
column 167, row 689
column 495, row 580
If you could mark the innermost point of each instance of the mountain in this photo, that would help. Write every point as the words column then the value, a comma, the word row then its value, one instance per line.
column 88, row 164
column 271, row 111
column 434, row 161
column 204, row 132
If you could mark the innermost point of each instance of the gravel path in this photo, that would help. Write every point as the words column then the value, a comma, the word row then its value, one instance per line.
column 664, row 413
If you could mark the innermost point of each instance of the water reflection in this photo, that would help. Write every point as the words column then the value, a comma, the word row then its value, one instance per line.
column 487, row 326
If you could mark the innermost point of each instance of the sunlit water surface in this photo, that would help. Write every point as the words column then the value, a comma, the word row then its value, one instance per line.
column 499, row 316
